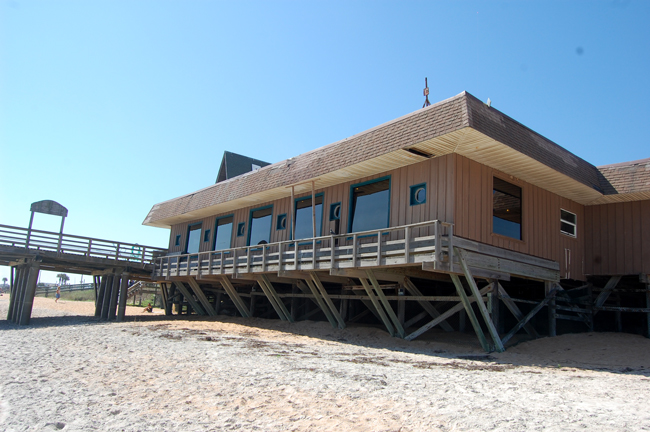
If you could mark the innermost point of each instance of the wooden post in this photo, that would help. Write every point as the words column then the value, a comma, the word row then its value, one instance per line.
column 115, row 290
column 293, row 227
column 29, row 230
column 313, row 217
column 171, row 296
column 512, row 306
column 30, row 290
column 14, row 276
column 428, row 307
column 401, row 306
column 377, row 306
column 236, row 299
column 617, row 314
column 493, row 305
column 207, row 307
column 107, row 296
column 99, row 300
column 321, row 303
column 343, row 308
column 58, row 248
column 462, row 321
column 294, row 290
column 189, row 298
column 470, row 313
column 252, row 307
column 647, row 304
column 382, row 298
column 552, row 320
column 124, row 288
column 328, row 301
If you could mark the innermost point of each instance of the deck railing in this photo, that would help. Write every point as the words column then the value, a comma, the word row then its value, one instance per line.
column 376, row 248
column 77, row 245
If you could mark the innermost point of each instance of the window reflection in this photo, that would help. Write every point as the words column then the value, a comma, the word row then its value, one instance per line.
column 193, row 238
column 303, row 224
column 370, row 206
column 260, row 226
column 223, row 234
column 506, row 213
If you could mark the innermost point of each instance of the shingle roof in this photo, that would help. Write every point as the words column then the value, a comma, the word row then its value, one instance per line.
column 451, row 115
column 626, row 177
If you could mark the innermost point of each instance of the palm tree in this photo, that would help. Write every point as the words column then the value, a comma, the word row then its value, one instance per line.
column 63, row 278
column 4, row 281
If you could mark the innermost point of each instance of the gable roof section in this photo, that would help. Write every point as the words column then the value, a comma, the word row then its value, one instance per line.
column 461, row 124
column 233, row 165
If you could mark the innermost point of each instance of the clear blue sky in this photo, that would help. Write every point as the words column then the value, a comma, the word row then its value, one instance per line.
column 109, row 107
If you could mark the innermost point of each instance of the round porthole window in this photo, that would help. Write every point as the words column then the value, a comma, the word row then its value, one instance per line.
column 420, row 195
column 282, row 222
column 337, row 211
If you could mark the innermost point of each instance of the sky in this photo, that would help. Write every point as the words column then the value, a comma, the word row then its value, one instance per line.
column 109, row 107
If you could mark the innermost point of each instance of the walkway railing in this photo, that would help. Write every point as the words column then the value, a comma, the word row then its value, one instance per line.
column 76, row 245
column 363, row 249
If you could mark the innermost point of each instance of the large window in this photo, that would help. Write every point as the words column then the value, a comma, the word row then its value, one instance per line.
column 259, row 227
column 193, row 238
column 303, row 217
column 223, row 233
column 506, row 209
column 370, row 205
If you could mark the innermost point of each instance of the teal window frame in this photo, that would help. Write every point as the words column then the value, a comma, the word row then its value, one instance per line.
column 333, row 216
column 206, row 235
column 178, row 240
column 216, row 230
column 250, row 223
column 187, row 239
column 413, row 191
column 241, row 229
column 322, row 210
column 279, row 220
column 377, row 180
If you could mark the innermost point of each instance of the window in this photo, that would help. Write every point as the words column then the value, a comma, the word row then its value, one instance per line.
column 178, row 240
column 370, row 205
column 223, row 233
column 335, row 211
column 568, row 222
column 303, row 217
column 206, row 236
column 418, row 194
column 281, row 222
column 193, row 238
column 506, row 209
column 241, row 229
column 259, row 227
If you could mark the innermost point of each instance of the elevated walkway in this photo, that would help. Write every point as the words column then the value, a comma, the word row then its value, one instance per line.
column 112, row 263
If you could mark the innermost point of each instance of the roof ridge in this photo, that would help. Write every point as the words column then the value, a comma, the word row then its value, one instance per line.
column 621, row 164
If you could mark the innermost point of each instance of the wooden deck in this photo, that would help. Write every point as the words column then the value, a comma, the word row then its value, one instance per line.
column 363, row 250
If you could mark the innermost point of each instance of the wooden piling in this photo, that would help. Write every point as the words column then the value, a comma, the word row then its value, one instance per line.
column 30, row 290
column 99, row 299
column 115, row 290
column 107, row 296
column 124, row 289
column 552, row 320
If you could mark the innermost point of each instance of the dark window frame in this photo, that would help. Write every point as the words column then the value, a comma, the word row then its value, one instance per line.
column 350, row 207
column 250, row 223
column 278, row 222
column 216, row 231
column 521, row 209
column 187, row 239
column 333, row 206
column 241, row 229
column 322, row 211
column 177, row 242
column 573, row 224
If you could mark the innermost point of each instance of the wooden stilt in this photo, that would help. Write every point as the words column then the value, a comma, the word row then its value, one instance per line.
column 401, row 309
column 470, row 312
column 512, row 306
column 189, row 298
column 493, row 305
column 15, row 276
column 377, row 306
column 462, row 321
column 164, row 295
column 124, row 289
column 99, row 300
column 217, row 303
column 207, row 307
column 171, row 296
column 236, row 299
column 30, row 290
column 272, row 295
column 115, row 290
column 293, row 305
column 327, row 299
column 320, row 302
column 107, row 296
column 427, row 306
column 552, row 313
column 343, row 307
column 647, row 305
column 481, row 306
column 20, row 299
column 382, row 298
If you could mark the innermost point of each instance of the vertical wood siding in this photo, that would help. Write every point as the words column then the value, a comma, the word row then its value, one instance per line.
column 620, row 239
column 437, row 173
column 541, row 234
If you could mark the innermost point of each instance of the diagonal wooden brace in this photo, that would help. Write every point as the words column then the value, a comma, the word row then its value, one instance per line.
column 201, row 296
column 321, row 303
column 328, row 301
column 470, row 312
column 428, row 307
column 190, row 299
column 234, row 296
column 273, row 297
column 532, row 313
column 384, row 302
column 378, row 307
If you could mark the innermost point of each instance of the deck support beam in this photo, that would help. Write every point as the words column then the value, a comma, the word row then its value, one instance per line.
column 377, row 306
column 479, row 301
column 470, row 312
column 24, row 298
column 532, row 313
column 190, row 299
column 124, row 289
column 512, row 306
column 320, row 302
column 552, row 312
column 382, row 298
column 236, row 299
column 428, row 307
column 273, row 297
column 327, row 299
column 604, row 295
column 115, row 290
column 207, row 307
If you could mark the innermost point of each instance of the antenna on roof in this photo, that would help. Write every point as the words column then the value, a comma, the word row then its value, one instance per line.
column 426, row 94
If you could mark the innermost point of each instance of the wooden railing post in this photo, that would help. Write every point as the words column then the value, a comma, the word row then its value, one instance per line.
column 438, row 241
column 332, row 252
column 90, row 247
column 248, row 259
column 379, row 248
column 313, row 253
column 263, row 258
column 117, row 252
column 354, row 250
column 295, row 255
column 407, row 244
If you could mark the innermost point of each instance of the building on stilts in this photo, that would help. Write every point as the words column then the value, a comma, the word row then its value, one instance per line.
column 451, row 216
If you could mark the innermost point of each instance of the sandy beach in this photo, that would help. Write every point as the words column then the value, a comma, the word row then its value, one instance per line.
column 66, row 371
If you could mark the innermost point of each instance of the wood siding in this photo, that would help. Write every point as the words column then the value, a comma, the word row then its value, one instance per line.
column 541, row 234
column 437, row 173
column 619, row 243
